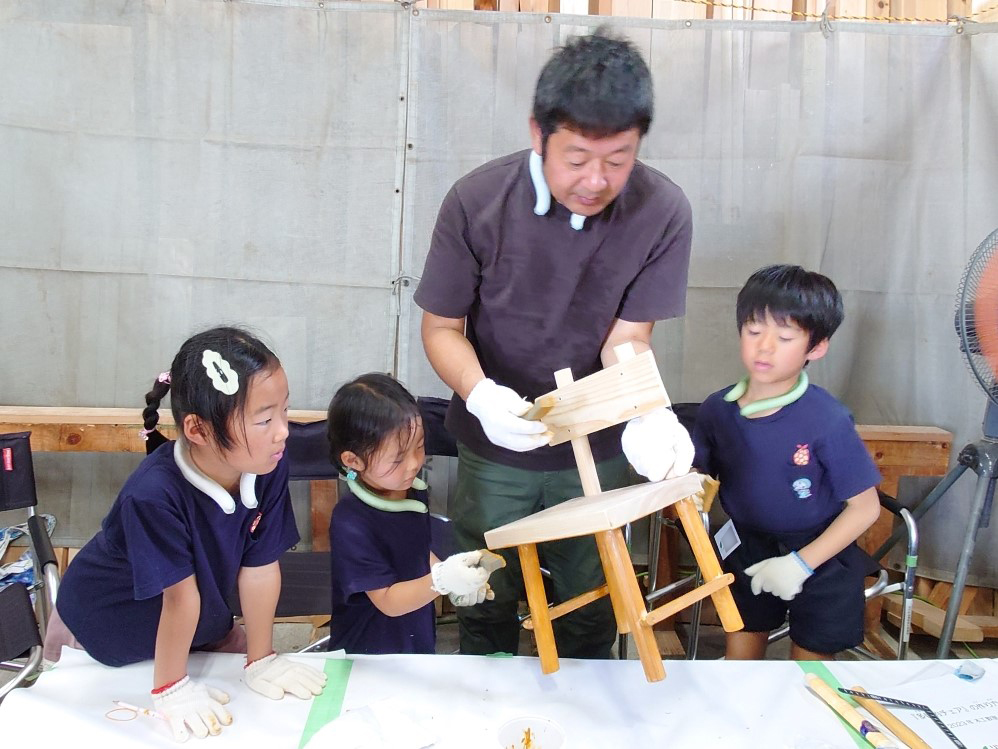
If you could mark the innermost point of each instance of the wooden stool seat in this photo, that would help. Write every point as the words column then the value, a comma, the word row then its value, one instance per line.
column 584, row 516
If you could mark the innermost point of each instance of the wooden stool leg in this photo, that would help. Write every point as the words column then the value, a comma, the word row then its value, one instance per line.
column 724, row 602
column 620, row 569
column 533, row 584
column 616, row 592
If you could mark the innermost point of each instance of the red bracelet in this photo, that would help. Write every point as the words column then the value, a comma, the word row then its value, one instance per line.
column 160, row 690
column 250, row 663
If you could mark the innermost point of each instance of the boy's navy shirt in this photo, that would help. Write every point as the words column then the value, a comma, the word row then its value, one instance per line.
column 789, row 471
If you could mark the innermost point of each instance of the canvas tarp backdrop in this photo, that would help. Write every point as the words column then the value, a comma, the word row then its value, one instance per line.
column 171, row 166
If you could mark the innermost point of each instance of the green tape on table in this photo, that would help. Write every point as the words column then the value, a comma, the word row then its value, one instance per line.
column 327, row 706
column 821, row 670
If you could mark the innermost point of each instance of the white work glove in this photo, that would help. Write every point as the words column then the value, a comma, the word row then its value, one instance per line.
column 191, row 707
column 499, row 410
column 459, row 573
column 472, row 599
column 782, row 576
column 657, row 445
column 274, row 676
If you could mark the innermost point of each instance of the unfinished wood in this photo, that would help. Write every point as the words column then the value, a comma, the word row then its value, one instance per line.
column 709, row 565
column 555, row 612
column 632, row 8
column 676, row 9
column 71, row 429
column 987, row 624
column 611, row 396
column 929, row 619
column 584, row 516
column 669, row 645
column 620, row 575
column 533, row 585
column 688, row 599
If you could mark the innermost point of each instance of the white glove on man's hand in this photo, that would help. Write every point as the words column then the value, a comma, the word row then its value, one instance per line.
column 782, row 576
column 499, row 410
column 472, row 599
column 657, row 445
column 191, row 707
column 459, row 573
column 274, row 676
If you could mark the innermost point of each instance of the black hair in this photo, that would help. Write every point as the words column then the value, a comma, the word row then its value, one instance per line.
column 192, row 391
column 808, row 299
column 597, row 85
column 365, row 412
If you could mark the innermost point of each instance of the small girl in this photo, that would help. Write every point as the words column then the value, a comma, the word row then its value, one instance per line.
column 385, row 578
column 198, row 519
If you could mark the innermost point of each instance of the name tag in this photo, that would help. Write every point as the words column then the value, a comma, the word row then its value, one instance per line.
column 727, row 539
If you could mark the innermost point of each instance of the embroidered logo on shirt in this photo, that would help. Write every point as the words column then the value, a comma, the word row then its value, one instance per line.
column 803, row 455
column 803, row 488
column 256, row 522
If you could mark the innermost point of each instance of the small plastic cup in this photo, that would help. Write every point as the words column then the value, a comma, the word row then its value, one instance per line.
column 531, row 732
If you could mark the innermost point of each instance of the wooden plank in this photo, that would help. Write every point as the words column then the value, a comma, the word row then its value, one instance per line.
column 929, row 619
column 613, row 395
column 584, row 516
column 63, row 429
column 988, row 624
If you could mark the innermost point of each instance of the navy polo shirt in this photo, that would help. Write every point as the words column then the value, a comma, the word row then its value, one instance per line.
column 789, row 471
column 159, row 531
column 373, row 549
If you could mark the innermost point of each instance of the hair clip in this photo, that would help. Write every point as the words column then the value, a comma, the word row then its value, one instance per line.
column 164, row 377
column 144, row 434
column 223, row 377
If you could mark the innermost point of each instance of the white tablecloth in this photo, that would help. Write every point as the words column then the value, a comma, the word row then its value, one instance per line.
column 462, row 700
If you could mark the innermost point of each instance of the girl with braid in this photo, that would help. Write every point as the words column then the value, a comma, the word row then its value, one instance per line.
column 198, row 519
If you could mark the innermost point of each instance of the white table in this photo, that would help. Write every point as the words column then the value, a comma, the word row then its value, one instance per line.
column 463, row 699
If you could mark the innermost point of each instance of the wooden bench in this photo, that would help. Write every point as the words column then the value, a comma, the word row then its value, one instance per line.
column 59, row 429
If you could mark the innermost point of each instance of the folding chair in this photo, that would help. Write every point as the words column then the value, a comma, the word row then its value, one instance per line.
column 22, row 628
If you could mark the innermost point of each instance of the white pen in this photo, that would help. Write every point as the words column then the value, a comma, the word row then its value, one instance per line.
column 140, row 710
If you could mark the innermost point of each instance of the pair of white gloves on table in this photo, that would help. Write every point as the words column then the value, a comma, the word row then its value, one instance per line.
column 192, row 707
column 656, row 444
column 464, row 577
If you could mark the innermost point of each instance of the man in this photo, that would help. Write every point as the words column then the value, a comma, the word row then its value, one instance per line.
column 542, row 260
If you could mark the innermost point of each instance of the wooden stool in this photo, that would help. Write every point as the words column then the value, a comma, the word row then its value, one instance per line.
column 618, row 393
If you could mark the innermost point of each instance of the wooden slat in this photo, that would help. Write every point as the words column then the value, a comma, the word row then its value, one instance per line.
column 928, row 619
column 618, row 393
column 571, row 605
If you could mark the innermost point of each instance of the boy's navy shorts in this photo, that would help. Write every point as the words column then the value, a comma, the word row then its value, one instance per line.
column 827, row 615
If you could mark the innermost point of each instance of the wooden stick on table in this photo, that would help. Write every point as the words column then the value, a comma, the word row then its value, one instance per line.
column 849, row 714
column 890, row 720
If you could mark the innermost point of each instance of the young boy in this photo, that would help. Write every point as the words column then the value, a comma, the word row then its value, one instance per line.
column 796, row 480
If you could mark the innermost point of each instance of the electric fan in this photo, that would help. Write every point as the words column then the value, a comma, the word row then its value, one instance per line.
column 976, row 324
